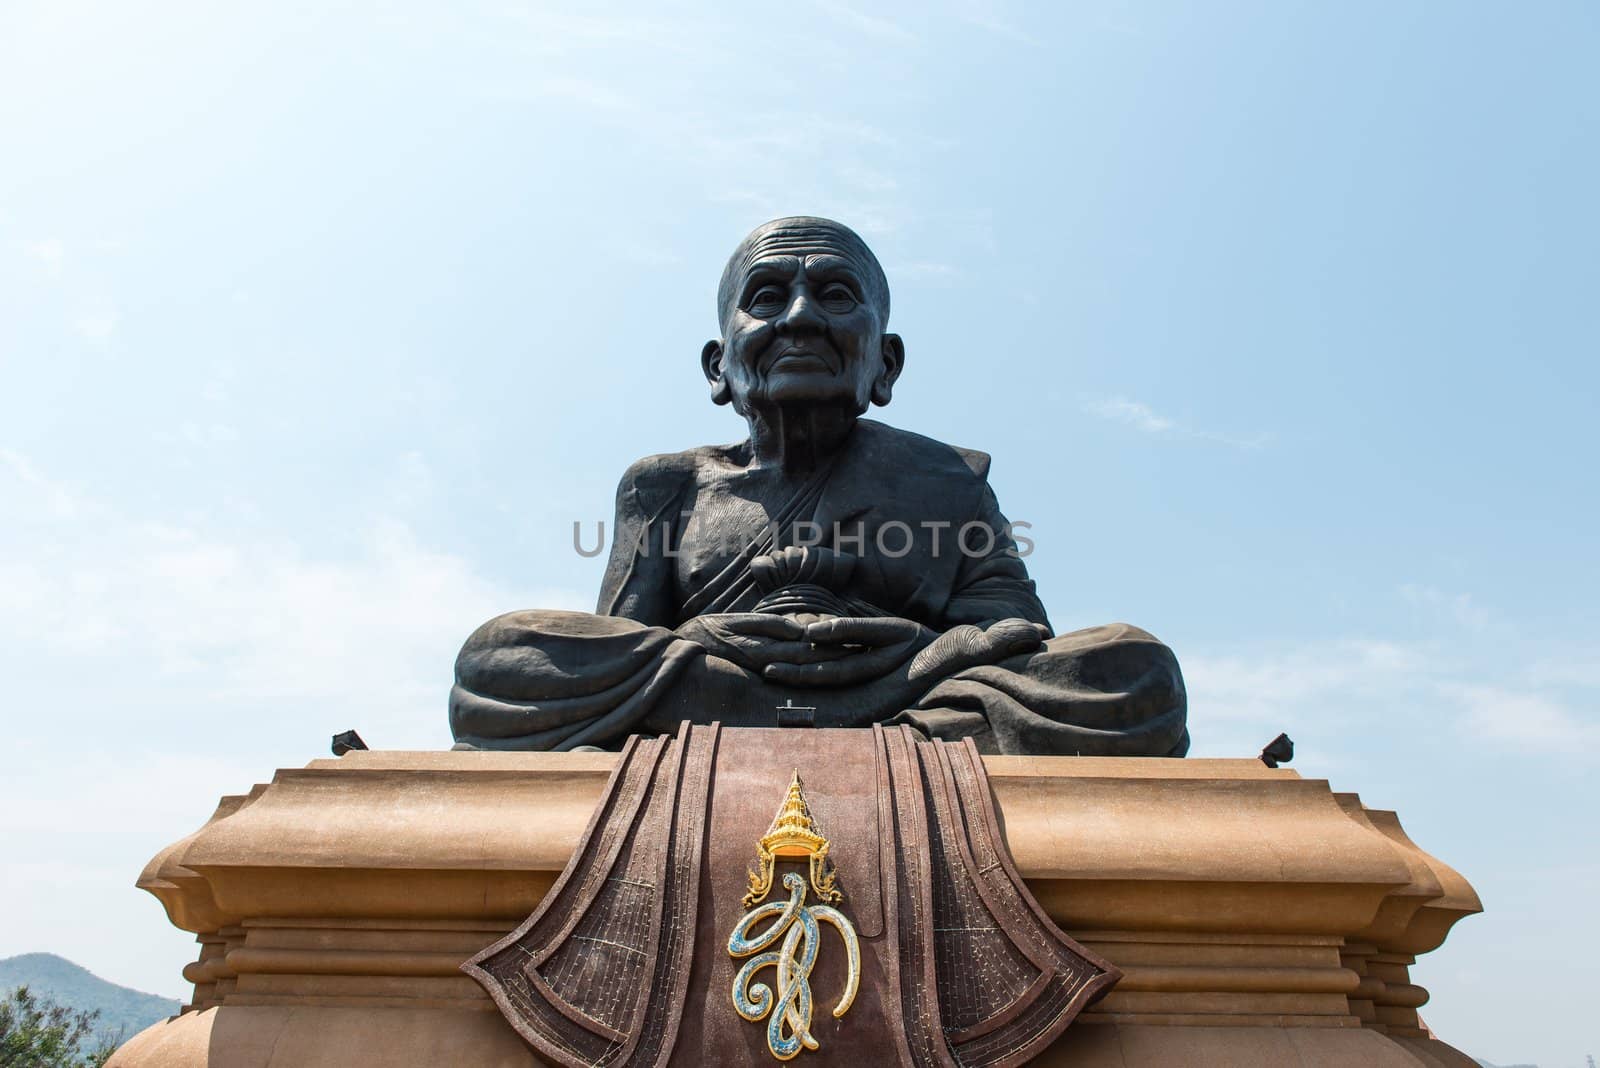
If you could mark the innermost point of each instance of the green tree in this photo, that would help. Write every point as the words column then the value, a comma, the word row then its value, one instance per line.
column 36, row 1032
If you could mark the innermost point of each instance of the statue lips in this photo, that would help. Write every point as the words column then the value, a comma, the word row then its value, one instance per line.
column 798, row 359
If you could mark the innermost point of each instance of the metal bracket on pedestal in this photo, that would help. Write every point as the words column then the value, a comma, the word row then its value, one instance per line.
column 793, row 715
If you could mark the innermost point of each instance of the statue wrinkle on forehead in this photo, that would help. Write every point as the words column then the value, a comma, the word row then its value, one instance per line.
column 798, row 234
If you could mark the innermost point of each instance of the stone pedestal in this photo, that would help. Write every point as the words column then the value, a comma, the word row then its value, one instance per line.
column 1259, row 918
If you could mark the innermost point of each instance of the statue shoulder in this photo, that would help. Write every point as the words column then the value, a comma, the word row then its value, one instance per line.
column 653, row 479
column 927, row 454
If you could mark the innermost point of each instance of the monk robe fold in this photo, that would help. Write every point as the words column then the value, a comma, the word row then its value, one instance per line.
column 913, row 531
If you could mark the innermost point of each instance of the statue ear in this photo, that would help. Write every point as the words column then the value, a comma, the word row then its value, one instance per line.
column 711, row 364
column 894, row 361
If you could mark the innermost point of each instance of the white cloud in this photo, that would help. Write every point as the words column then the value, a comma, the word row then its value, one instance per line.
column 1501, row 715
column 1238, row 441
column 883, row 28
column 555, row 33
column 985, row 16
column 97, row 323
column 228, row 621
column 152, row 667
column 411, row 484
column 1237, row 697
column 200, row 435
column 1458, row 607
column 222, row 625
column 1143, row 418
column 1575, row 666
column 636, row 249
column 588, row 92
column 1133, row 413
column 36, row 495
column 119, row 792
column 681, row 119
column 1267, row 684
column 50, row 253
column 866, row 177
column 927, row 269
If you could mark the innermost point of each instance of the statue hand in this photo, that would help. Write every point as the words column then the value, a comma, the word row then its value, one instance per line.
column 803, row 565
column 968, row 646
column 755, row 640
column 853, row 650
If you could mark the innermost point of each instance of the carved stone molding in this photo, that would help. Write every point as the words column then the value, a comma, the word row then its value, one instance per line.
column 1255, row 913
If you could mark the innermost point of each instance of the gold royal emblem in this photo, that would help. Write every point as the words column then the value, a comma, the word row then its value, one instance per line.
column 793, row 835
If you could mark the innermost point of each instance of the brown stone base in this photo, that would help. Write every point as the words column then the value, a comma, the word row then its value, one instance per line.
column 1259, row 918
column 281, row 1036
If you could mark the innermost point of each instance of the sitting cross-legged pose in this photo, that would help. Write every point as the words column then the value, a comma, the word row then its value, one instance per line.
column 828, row 562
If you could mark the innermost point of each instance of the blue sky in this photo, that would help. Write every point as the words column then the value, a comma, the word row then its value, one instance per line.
column 321, row 324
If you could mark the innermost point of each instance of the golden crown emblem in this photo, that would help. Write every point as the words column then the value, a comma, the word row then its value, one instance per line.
column 793, row 834
column 786, row 1005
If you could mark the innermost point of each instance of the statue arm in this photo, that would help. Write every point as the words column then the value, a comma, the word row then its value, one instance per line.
column 638, row 579
column 992, row 582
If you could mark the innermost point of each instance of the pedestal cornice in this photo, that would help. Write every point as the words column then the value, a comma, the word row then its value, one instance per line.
column 1235, row 897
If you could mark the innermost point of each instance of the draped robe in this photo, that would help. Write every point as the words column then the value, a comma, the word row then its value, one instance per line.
column 911, row 529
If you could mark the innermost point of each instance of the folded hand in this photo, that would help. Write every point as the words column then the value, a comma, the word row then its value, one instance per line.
column 851, row 651
column 755, row 640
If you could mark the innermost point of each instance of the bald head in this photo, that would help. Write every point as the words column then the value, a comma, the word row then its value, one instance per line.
column 799, row 235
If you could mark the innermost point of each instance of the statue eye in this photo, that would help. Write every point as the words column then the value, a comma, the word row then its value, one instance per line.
column 765, row 301
column 839, row 297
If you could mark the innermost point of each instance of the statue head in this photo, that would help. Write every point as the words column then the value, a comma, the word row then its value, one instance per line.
column 803, row 307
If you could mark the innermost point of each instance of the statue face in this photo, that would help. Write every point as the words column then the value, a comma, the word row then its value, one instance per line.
column 803, row 329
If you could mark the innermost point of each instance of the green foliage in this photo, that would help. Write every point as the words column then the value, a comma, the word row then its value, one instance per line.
column 123, row 1012
column 36, row 1032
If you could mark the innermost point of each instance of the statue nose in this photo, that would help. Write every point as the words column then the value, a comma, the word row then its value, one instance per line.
column 800, row 316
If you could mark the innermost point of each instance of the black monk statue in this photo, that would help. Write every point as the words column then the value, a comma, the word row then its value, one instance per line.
column 828, row 564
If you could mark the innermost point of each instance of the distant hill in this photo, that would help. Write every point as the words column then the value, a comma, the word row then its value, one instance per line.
column 121, row 1010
